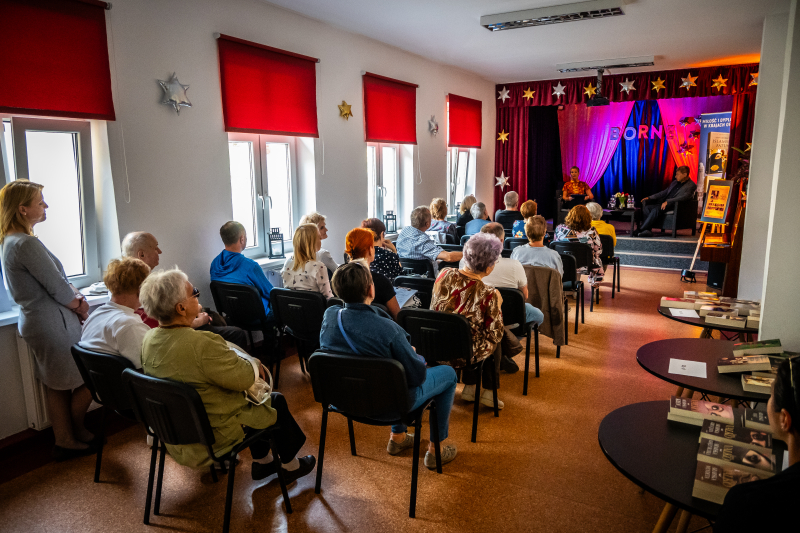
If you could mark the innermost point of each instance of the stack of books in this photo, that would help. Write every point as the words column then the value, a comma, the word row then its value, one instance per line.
column 759, row 384
column 766, row 347
column 728, row 318
column 694, row 412
column 743, row 363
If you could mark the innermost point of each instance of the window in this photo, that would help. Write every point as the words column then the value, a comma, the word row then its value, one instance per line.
column 57, row 154
column 263, row 171
column 383, row 172
column 459, row 170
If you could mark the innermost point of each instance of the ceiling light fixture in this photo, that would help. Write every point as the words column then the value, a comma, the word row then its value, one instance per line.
column 544, row 16
column 622, row 62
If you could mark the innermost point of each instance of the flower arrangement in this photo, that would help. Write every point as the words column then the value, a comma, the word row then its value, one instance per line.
column 622, row 199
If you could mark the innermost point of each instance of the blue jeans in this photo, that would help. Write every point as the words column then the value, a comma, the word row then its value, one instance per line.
column 533, row 315
column 440, row 384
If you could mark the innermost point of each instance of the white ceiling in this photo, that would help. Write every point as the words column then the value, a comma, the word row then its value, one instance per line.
column 679, row 33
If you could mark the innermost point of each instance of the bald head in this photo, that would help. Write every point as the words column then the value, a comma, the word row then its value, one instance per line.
column 141, row 245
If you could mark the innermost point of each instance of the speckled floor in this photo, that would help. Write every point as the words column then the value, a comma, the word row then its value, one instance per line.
column 536, row 468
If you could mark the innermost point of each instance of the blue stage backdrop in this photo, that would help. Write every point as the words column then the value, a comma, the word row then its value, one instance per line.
column 642, row 164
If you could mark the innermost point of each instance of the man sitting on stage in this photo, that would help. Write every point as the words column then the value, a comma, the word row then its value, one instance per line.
column 682, row 188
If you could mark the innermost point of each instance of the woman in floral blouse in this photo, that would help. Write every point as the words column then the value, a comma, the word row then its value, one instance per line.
column 462, row 291
column 578, row 225
column 575, row 186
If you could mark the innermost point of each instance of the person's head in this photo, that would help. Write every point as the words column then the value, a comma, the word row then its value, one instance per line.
column 22, row 206
column 353, row 283
column 536, row 228
column 466, row 204
column 360, row 244
column 528, row 209
column 578, row 219
column 496, row 229
column 378, row 227
column 168, row 297
column 421, row 218
column 783, row 407
column 595, row 210
column 233, row 236
column 141, row 245
column 306, row 243
column 574, row 173
column 478, row 211
column 125, row 276
column 511, row 199
column 319, row 220
column 481, row 252
column 682, row 173
column 438, row 209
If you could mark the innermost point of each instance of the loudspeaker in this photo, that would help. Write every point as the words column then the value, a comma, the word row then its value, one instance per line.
column 716, row 274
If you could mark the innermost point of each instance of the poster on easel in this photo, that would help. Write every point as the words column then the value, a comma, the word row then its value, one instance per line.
column 715, row 133
column 718, row 200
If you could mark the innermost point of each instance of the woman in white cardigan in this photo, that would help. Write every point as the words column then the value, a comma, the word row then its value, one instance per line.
column 303, row 271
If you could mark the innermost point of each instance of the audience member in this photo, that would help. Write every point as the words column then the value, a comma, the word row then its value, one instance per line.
column 462, row 291
column 363, row 330
column 578, row 225
column 574, row 187
column 439, row 224
column 386, row 262
column 302, row 271
column 681, row 188
column 51, row 312
column 359, row 247
column 528, row 210
column 114, row 327
column 602, row 227
column 220, row 375
column 413, row 243
column 464, row 214
column 506, row 217
column 323, row 255
column 479, row 219
column 535, row 252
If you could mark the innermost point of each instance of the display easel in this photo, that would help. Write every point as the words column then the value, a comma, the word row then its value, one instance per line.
column 715, row 214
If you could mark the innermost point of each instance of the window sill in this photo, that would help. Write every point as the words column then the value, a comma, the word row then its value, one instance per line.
column 12, row 317
column 270, row 264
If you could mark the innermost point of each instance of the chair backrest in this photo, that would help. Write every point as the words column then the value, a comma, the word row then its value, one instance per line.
column 423, row 286
column 102, row 374
column 460, row 231
column 508, row 231
column 367, row 387
column 505, row 252
column 570, row 268
column 239, row 304
column 512, row 242
column 300, row 311
column 607, row 253
column 513, row 308
column 464, row 239
column 451, row 247
column 582, row 252
column 437, row 336
column 419, row 266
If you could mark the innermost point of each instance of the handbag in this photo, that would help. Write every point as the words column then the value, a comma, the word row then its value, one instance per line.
column 259, row 392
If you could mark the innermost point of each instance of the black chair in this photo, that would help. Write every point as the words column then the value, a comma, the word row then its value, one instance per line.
column 464, row 239
column 608, row 258
column 584, row 258
column 102, row 374
column 422, row 267
column 513, row 309
column 441, row 337
column 451, row 247
column 505, row 252
column 512, row 242
column 423, row 286
column 460, row 231
column 300, row 314
column 508, row 231
column 571, row 282
column 363, row 389
column 173, row 413
column 680, row 215
column 561, row 212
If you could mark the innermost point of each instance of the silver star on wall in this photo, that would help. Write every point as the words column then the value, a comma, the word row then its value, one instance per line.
column 502, row 181
column 627, row 86
column 503, row 95
column 558, row 90
column 175, row 93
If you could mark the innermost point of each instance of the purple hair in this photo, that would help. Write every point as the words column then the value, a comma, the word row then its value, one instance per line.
column 481, row 251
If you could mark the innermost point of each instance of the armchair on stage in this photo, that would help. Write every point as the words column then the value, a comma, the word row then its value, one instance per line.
column 680, row 215
column 561, row 212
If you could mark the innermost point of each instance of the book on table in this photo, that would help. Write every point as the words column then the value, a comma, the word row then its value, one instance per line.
column 774, row 361
column 712, row 482
column 726, row 319
column 746, row 459
column 743, row 363
column 736, row 434
column 717, row 308
column 693, row 412
column 677, row 303
column 759, row 384
column 766, row 347
column 745, row 309
column 756, row 420
column 753, row 321
column 695, row 295
column 731, row 300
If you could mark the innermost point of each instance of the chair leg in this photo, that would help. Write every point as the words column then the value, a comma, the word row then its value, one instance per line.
column 434, row 429
column 477, row 403
column 321, row 454
column 150, row 477
column 613, row 280
column 566, row 321
column 591, row 298
column 226, row 519
column 214, row 473
column 618, row 269
column 583, row 308
column 274, row 447
column 101, row 438
column 302, row 360
column 412, row 508
column 527, row 363
column 536, row 347
column 558, row 352
column 160, row 479
column 277, row 371
column 352, row 436
column 493, row 371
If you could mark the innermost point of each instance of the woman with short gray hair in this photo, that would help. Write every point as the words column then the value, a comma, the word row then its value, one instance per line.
column 602, row 227
column 479, row 219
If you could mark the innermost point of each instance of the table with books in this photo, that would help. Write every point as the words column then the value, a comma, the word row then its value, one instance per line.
column 711, row 312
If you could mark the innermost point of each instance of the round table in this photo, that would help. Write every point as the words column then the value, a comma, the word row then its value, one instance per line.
column 654, row 357
column 707, row 328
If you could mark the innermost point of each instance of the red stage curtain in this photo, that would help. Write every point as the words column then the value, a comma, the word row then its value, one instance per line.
column 463, row 122
column 54, row 59
column 742, row 117
column 267, row 90
column 390, row 110
column 511, row 156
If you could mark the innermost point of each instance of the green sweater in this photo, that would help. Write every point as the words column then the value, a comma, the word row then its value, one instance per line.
column 204, row 361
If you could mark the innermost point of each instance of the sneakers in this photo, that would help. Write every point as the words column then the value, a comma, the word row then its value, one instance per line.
column 448, row 453
column 395, row 448
column 508, row 365
column 468, row 393
column 487, row 398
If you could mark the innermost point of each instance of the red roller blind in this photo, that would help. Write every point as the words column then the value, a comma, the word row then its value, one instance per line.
column 463, row 122
column 390, row 110
column 54, row 59
column 267, row 90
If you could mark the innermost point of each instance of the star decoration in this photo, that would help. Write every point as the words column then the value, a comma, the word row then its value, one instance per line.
column 589, row 90
column 344, row 110
column 686, row 148
column 175, row 93
column 503, row 94
column 433, row 126
column 528, row 94
column 627, row 86
column 503, row 136
column 749, row 145
column 754, row 81
column 658, row 85
column 688, row 81
column 694, row 134
column 502, row 181
column 558, row 90
column 719, row 83
column 685, row 121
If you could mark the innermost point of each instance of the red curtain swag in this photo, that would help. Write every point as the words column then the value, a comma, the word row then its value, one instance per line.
column 463, row 122
column 267, row 90
column 390, row 110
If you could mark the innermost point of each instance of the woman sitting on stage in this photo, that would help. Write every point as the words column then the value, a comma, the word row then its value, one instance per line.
column 578, row 225
column 575, row 186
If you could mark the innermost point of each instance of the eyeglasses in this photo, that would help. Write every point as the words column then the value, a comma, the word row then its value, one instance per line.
column 195, row 293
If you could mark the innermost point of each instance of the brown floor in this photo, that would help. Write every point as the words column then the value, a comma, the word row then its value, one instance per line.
column 536, row 468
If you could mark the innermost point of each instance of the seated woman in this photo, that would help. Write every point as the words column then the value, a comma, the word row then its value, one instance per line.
column 358, row 246
column 438, row 223
column 528, row 210
column 114, row 327
column 535, row 253
column 462, row 291
column 370, row 332
column 205, row 361
column 602, row 227
column 323, row 255
column 479, row 219
column 464, row 214
column 386, row 262
column 780, row 493
column 302, row 271
column 578, row 225
column 575, row 186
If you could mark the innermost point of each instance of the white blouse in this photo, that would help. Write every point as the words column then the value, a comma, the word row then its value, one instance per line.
column 313, row 276
column 115, row 329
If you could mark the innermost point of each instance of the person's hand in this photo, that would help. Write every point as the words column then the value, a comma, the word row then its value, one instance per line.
column 663, row 206
column 571, row 197
column 83, row 307
column 201, row 320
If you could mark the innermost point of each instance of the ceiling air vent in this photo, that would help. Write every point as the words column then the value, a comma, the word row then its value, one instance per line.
column 543, row 16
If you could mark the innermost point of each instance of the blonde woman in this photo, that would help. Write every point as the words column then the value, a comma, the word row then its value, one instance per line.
column 50, row 316
column 323, row 255
column 464, row 214
column 302, row 270
column 438, row 223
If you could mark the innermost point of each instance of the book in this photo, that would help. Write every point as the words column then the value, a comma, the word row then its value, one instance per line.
column 755, row 312
column 694, row 295
column 757, row 384
column 736, row 434
column 715, row 308
column 699, row 410
column 753, row 321
column 743, row 363
column 403, row 295
column 744, row 309
column 712, row 482
column 729, row 300
column 757, row 348
column 756, row 420
column 726, row 319
column 677, row 303
column 774, row 363
column 720, row 453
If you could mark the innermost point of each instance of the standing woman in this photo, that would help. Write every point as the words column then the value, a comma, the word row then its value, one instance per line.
column 50, row 317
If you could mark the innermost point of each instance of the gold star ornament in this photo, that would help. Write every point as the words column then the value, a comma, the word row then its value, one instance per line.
column 688, row 81
column 344, row 110
column 528, row 94
column 749, row 145
column 589, row 90
column 658, row 85
column 503, row 136
column 754, row 81
column 719, row 83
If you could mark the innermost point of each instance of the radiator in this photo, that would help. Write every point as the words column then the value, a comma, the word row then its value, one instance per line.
column 35, row 399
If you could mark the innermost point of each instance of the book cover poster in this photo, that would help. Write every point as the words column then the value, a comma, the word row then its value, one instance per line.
column 717, row 201
column 714, row 135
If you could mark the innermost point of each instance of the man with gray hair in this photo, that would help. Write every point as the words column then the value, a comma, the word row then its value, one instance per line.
column 479, row 218
column 506, row 217
column 413, row 243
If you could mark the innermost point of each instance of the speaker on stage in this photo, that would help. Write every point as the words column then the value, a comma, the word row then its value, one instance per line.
column 716, row 274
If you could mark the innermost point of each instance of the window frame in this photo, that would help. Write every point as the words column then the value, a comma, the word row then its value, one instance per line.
column 379, row 192
column 452, row 176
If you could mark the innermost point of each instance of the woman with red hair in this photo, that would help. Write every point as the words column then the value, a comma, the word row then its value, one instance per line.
column 359, row 246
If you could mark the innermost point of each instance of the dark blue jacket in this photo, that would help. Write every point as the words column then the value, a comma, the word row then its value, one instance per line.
column 232, row 267
column 676, row 192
